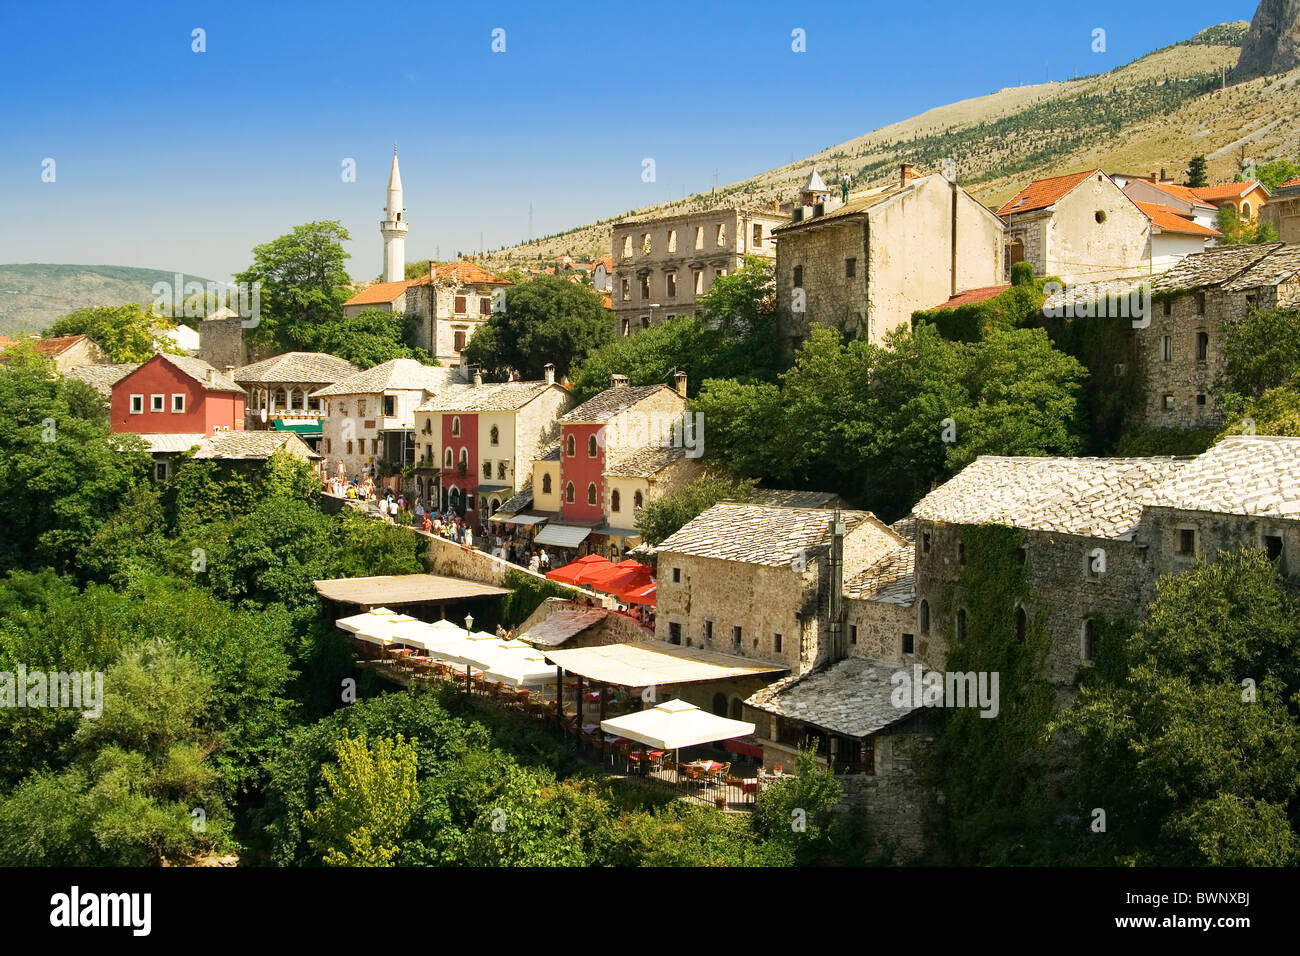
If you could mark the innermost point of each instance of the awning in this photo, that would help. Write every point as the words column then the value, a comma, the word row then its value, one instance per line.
column 518, row 519
column 310, row 427
column 580, row 571
column 397, row 589
column 642, row 595
column 494, row 489
column 656, row 664
column 562, row 535
column 625, row 533
column 675, row 724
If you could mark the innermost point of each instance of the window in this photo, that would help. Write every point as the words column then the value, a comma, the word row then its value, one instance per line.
column 455, row 426
column 670, row 285
column 459, row 304
column 645, row 321
column 674, row 633
column 484, row 305
column 1087, row 640
column 776, row 643
column 708, row 632
column 909, row 644
column 1022, row 624
column 137, row 404
column 160, row 471
column 672, row 240
column 374, row 446
column 677, row 575
column 1167, row 402
column 460, row 339
column 1273, row 546
column 627, row 326
column 614, row 500
column 853, row 634
column 501, row 469
column 637, row 500
column 1169, row 306
column 1200, row 398
column 328, row 449
column 569, row 493
column 572, row 446
column 280, row 400
column 591, row 493
column 156, row 402
column 1186, row 541
column 487, row 469
column 737, row 635
column 446, row 458
column 758, row 235
column 1022, row 554
column 627, row 248
column 1245, row 211
column 295, row 399
column 961, row 552
column 961, row 625
column 464, row 458
column 647, row 246
column 361, row 407
column 925, row 542
column 591, row 446
column 1202, row 346
column 390, row 405
column 546, row 483
column 645, row 287
column 178, row 403
column 1100, row 216
column 722, row 235
column 699, row 281
column 494, row 435
column 850, row 268
column 924, row 618
column 699, row 237
column 798, row 277
column 1167, row 348
column 627, row 290
column 349, row 448
column 1200, row 303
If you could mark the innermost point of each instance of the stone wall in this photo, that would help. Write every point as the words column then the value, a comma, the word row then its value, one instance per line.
column 900, row 807
column 221, row 342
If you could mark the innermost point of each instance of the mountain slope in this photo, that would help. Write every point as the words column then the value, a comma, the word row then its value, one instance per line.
column 32, row 296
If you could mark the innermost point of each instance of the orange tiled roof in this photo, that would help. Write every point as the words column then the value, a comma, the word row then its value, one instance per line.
column 466, row 272
column 1226, row 190
column 973, row 295
column 379, row 292
column 1290, row 182
column 1042, row 193
column 1185, row 193
column 608, row 261
column 1166, row 219
column 51, row 346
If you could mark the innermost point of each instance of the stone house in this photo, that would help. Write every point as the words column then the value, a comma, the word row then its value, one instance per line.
column 475, row 444
column 369, row 424
column 1283, row 210
column 866, row 264
column 1080, row 227
column 1247, row 199
column 1180, row 354
column 281, row 391
column 1181, row 199
column 661, row 266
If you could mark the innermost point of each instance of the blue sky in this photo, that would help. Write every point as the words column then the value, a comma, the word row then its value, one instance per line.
column 171, row 159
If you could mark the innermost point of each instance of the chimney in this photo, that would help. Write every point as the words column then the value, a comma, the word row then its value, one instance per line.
column 679, row 382
column 212, row 376
column 618, row 381
column 1164, row 176
column 549, row 370
column 1155, row 178
column 230, row 371
column 478, row 376
column 906, row 173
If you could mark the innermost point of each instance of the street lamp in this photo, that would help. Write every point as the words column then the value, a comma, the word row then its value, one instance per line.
column 469, row 622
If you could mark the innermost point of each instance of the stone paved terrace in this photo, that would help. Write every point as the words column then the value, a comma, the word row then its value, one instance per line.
column 1099, row 497
column 1241, row 475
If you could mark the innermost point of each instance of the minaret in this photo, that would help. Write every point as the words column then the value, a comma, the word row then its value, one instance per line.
column 393, row 228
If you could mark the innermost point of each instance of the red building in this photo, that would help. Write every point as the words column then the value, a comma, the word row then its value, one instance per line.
column 177, row 395
column 582, row 463
column 459, row 461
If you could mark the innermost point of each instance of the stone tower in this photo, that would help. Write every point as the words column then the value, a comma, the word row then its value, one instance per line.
column 393, row 228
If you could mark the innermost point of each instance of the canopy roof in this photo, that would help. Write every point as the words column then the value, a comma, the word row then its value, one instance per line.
column 397, row 589
column 642, row 595
column 645, row 665
column 585, row 569
column 675, row 724
column 563, row 535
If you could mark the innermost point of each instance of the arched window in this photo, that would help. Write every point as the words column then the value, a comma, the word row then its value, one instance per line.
column 568, row 493
column 613, row 500
column 591, row 446
column 572, row 446
column 455, row 426
column 637, row 500
column 737, row 708
column 494, row 435
column 1087, row 641
column 453, row 497
column 720, row 705
column 961, row 625
column 446, row 458
column 1022, row 624
column 295, row 399
column 546, row 483
column 281, row 400
column 591, row 493
column 1245, row 212
column 464, row 457
column 925, row 619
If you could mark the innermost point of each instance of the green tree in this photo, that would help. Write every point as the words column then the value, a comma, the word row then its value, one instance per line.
column 662, row 517
column 549, row 319
column 127, row 333
column 1261, row 351
column 1237, row 231
column 372, row 797
column 369, row 338
column 304, row 283
column 1198, row 172
column 1277, row 172
column 796, row 812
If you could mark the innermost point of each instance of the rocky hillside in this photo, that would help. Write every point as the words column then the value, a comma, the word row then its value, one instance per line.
column 1156, row 112
column 1272, row 44
column 32, row 296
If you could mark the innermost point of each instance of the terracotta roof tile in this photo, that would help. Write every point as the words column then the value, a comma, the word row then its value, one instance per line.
column 1042, row 193
column 973, row 295
column 1178, row 191
column 1225, row 190
column 1167, row 220
column 380, row 292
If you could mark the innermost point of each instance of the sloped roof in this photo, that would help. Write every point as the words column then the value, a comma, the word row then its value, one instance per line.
column 172, row 443
column 756, row 534
column 293, row 367
column 101, row 377
column 1097, row 497
column 562, row 625
column 860, row 203
column 972, row 295
column 1167, row 219
column 520, row 501
column 611, row 402
column 1241, row 475
column 786, row 498
column 253, row 446
column 1042, row 193
column 498, row 397
column 645, row 462
column 212, row 379
column 56, row 345
column 466, row 272
column 1212, row 266
column 1227, row 190
column 395, row 374
column 890, row 580
column 1280, row 265
column 1293, row 183
column 378, row 292
column 1178, row 191
column 813, row 184
column 853, row 697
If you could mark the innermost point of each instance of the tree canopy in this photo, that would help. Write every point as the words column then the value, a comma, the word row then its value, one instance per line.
column 127, row 333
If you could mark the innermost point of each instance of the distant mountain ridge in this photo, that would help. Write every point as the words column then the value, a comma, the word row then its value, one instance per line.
column 33, row 295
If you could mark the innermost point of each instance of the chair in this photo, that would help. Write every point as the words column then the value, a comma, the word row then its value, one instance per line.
column 723, row 772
